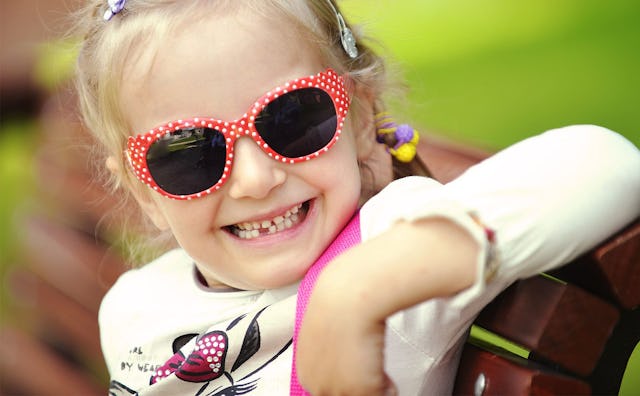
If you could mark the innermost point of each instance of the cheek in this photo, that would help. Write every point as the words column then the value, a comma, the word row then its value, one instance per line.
column 350, row 158
column 187, row 218
column 373, row 160
column 344, row 170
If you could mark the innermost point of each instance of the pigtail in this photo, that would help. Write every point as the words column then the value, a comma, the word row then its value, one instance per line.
column 401, row 141
column 415, row 167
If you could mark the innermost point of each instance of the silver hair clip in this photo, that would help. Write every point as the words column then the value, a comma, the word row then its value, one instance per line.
column 346, row 36
column 115, row 6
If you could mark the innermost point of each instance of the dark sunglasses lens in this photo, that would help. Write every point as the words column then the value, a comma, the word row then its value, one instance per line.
column 187, row 161
column 298, row 123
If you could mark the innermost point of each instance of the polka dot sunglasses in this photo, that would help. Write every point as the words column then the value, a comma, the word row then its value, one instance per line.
column 294, row 122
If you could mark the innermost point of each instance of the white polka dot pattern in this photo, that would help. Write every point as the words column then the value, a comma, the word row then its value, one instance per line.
column 206, row 361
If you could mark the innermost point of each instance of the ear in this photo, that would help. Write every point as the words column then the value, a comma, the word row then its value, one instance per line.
column 142, row 195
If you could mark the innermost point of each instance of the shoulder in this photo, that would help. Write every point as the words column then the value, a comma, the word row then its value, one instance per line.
column 163, row 269
column 170, row 271
column 399, row 191
column 401, row 199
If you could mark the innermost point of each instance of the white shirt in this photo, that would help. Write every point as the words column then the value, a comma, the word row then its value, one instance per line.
column 549, row 199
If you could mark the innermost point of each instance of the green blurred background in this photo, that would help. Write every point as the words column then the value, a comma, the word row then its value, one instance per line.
column 483, row 72
column 492, row 72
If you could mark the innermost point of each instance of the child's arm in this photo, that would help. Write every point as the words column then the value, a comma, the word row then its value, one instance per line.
column 342, row 339
column 549, row 198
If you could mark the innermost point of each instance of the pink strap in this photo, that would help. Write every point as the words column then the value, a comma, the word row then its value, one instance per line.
column 349, row 236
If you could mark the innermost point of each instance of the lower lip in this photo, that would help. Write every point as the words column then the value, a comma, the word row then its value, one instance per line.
column 268, row 240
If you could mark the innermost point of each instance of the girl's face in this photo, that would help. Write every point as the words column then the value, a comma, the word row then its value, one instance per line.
column 218, row 67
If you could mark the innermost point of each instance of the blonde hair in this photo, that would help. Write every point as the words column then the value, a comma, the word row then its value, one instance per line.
column 109, row 46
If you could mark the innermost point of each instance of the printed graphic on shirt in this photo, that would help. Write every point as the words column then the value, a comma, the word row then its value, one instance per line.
column 203, row 364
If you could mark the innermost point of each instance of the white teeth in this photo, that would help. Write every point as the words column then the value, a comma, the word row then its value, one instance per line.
column 250, row 230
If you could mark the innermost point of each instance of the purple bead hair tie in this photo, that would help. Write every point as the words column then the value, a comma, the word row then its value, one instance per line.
column 115, row 6
column 401, row 140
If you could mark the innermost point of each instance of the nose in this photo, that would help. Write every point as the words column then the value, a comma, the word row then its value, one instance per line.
column 254, row 173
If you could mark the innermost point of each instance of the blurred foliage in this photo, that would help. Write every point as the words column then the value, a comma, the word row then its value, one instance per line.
column 492, row 72
column 19, row 140
column 17, row 145
column 56, row 60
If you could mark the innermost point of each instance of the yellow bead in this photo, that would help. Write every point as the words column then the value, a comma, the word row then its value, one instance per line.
column 405, row 152
column 416, row 137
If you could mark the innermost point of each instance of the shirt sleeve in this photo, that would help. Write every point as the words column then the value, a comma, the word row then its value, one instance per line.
column 552, row 197
column 548, row 198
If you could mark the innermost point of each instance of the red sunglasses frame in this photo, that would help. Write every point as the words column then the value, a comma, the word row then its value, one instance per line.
column 328, row 81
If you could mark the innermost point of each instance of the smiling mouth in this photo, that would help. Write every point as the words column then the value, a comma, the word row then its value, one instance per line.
column 255, row 229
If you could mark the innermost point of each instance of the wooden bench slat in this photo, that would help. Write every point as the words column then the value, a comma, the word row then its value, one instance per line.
column 32, row 368
column 74, row 192
column 503, row 374
column 73, row 262
column 57, row 317
column 612, row 270
column 558, row 322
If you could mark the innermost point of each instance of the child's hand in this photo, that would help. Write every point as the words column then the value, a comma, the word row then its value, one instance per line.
column 341, row 340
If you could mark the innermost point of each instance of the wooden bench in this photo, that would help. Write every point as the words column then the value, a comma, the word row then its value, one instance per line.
column 579, row 333
column 580, row 324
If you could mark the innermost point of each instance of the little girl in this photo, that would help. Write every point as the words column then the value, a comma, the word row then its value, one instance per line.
column 250, row 131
